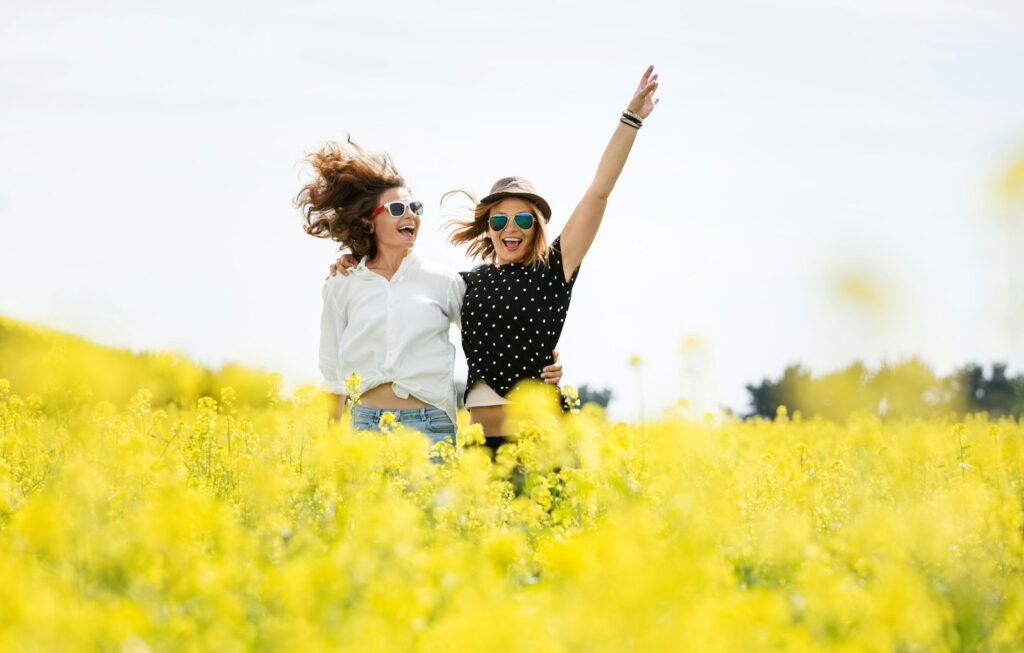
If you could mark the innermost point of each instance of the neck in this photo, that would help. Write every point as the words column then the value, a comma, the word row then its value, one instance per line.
column 389, row 258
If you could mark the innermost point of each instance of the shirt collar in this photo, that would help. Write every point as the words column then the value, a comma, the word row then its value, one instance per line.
column 410, row 262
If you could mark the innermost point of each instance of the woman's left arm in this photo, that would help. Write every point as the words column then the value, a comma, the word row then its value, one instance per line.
column 579, row 231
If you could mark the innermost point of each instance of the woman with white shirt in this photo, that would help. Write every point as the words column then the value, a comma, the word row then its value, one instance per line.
column 388, row 320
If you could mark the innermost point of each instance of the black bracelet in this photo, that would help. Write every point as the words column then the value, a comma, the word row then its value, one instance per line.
column 630, row 114
column 631, row 119
column 631, row 123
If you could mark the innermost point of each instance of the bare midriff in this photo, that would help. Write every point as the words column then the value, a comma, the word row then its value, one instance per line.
column 490, row 418
column 383, row 396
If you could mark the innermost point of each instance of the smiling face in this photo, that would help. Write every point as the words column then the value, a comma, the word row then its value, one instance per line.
column 391, row 232
column 512, row 244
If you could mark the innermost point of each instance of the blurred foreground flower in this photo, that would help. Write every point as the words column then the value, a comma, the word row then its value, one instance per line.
column 1011, row 186
column 571, row 397
column 692, row 344
column 863, row 292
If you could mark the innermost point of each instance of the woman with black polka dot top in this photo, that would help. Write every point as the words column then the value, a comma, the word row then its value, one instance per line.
column 516, row 302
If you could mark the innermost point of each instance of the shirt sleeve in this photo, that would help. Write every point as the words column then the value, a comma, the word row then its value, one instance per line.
column 332, row 326
column 557, row 266
column 456, row 293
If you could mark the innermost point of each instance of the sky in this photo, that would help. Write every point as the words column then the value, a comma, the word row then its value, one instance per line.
column 150, row 153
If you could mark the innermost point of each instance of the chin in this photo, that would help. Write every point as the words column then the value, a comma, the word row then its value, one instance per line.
column 506, row 256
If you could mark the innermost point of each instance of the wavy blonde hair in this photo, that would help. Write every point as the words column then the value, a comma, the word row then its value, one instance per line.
column 473, row 230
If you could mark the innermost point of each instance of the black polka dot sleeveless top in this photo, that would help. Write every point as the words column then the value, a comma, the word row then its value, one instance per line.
column 512, row 317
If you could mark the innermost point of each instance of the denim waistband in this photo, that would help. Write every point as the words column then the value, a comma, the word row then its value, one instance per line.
column 404, row 413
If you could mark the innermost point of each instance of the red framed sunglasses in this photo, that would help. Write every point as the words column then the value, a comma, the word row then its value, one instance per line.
column 397, row 208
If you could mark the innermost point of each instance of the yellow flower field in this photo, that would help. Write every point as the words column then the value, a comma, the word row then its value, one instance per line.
column 155, row 519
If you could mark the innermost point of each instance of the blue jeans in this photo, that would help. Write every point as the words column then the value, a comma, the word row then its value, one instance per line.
column 430, row 421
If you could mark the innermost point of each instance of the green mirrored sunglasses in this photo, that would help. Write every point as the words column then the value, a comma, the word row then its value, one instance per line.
column 523, row 220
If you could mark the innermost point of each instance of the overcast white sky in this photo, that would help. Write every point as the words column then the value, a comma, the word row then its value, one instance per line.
column 149, row 153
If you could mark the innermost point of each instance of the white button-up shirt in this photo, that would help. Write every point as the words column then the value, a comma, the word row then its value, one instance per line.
column 393, row 331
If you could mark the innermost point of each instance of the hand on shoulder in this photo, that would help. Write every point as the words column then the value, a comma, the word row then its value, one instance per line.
column 343, row 265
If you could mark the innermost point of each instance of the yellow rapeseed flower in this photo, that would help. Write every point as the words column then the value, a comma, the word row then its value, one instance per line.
column 353, row 385
column 138, row 514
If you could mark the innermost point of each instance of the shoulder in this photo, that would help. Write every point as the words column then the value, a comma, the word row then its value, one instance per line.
column 335, row 288
column 553, row 257
column 334, row 285
column 429, row 270
column 432, row 269
column 556, row 246
column 477, row 273
column 436, row 280
column 556, row 266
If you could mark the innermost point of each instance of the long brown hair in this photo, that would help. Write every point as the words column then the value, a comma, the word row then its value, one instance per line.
column 338, row 202
column 474, row 231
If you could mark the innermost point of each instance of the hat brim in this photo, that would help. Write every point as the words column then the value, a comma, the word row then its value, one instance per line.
column 541, row 203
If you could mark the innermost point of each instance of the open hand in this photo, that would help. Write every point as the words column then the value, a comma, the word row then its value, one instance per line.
column 643, row 100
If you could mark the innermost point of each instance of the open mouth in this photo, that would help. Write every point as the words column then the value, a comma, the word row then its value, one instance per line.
column 407, row 230
column 512, row 244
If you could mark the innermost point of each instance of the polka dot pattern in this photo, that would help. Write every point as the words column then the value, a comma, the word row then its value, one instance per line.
column 512, row 317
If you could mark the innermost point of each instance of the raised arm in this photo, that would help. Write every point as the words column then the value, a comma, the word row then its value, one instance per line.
column 579, row 231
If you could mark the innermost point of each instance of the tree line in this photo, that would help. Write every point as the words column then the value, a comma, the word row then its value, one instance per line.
column 907, row 389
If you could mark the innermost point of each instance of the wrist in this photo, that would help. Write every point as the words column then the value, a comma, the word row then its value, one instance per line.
column 631, row 119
